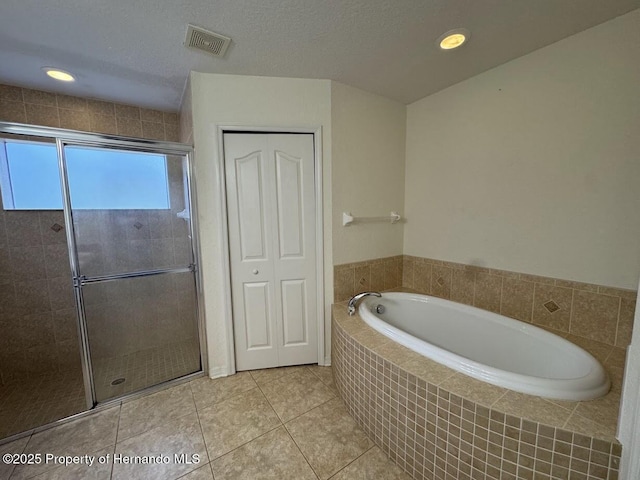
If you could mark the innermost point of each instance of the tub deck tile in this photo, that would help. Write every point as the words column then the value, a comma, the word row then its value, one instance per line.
column 472, row 389
column 428, row 370
column 579, row 424
column 532, row 408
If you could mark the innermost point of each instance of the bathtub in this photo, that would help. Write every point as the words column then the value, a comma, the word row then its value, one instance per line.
column 488, row 346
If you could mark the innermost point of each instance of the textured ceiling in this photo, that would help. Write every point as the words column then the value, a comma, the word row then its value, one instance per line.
column 132, row 51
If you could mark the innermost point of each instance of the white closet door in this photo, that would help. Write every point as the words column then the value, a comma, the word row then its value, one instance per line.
column 271, row 214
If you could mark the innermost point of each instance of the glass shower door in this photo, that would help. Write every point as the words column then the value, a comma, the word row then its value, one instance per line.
column 41, row 377
column 135, row 266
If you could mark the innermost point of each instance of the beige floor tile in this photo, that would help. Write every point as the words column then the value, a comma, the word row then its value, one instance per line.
column 296, row 394
column 372, row 465
column 325, row 374
column 80, row 437
column 202, row 473
column 95, row 471
column 267, row 375
column 207, row 391
column 273, row 456
column 234, row 422
column 329, row 438
column 153, row 410
column 16, row 446
column 177, row 436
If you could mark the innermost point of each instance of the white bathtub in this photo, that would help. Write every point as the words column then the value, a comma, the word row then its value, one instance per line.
column 488, row 346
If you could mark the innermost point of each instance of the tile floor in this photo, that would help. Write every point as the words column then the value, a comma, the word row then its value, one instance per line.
column 40, row 400
column 284, row 423
column 145, row 368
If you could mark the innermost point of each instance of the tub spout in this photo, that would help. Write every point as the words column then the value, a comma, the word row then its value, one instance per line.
column 356, row 298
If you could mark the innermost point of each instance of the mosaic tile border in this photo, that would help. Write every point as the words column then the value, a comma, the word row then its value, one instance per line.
column 433, row 433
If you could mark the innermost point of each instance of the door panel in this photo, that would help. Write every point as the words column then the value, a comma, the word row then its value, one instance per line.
column 135, row 272
column 251, row 211
column 257, row 315
column 147, row 234
column 290, row 201
column 142, row 331
column 274, row 198
column 294, row 314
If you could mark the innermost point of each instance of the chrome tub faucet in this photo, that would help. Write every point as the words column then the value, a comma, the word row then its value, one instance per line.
column 353, row 303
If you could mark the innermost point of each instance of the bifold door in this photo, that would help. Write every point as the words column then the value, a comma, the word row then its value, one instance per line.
column 272, row 238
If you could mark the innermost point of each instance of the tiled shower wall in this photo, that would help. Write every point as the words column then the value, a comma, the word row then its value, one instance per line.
column 595, row 312
column 37, row 315
column 35, row 107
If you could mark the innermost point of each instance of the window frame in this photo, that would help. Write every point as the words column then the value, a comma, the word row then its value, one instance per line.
column 7, row 192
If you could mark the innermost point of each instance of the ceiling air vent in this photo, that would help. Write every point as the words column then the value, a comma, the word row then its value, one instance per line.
column 210, row 42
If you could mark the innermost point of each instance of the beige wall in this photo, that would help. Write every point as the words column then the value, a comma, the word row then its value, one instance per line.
column 368, row 148
column 186, row 115
column 533, row 166
column 224, row 100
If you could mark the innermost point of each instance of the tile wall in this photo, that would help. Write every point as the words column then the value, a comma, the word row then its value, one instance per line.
column 378, row 274
column 35, row 107
column 37, row 316
column 594, row 312
column 434, row 433
column 37, row 313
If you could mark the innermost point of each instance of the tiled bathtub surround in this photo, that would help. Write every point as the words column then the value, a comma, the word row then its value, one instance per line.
column 35, row 107
column 566, row 307
column 595, row 312
column 377, row 275
column 439, row 424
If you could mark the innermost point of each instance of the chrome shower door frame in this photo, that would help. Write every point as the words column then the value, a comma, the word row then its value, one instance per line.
column 66, row 138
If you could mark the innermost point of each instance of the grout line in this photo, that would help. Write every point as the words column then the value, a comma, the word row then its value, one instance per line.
column 362, row 454
column 206, row 448
column 615, row 338
column 116, row 443
column 300, row 450
column 245, row 443
column 573, row 295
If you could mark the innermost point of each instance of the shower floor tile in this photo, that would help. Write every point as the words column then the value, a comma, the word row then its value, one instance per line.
column 37, row 401
column 254, row 442
column 145, row 368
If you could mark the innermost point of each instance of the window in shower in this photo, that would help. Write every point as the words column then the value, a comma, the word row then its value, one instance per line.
column 100, row 178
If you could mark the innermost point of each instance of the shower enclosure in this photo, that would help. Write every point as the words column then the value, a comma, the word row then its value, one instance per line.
column 98, row 272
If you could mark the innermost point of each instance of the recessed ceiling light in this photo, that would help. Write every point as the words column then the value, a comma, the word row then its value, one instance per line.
column 453, row 38
column 59, row 74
